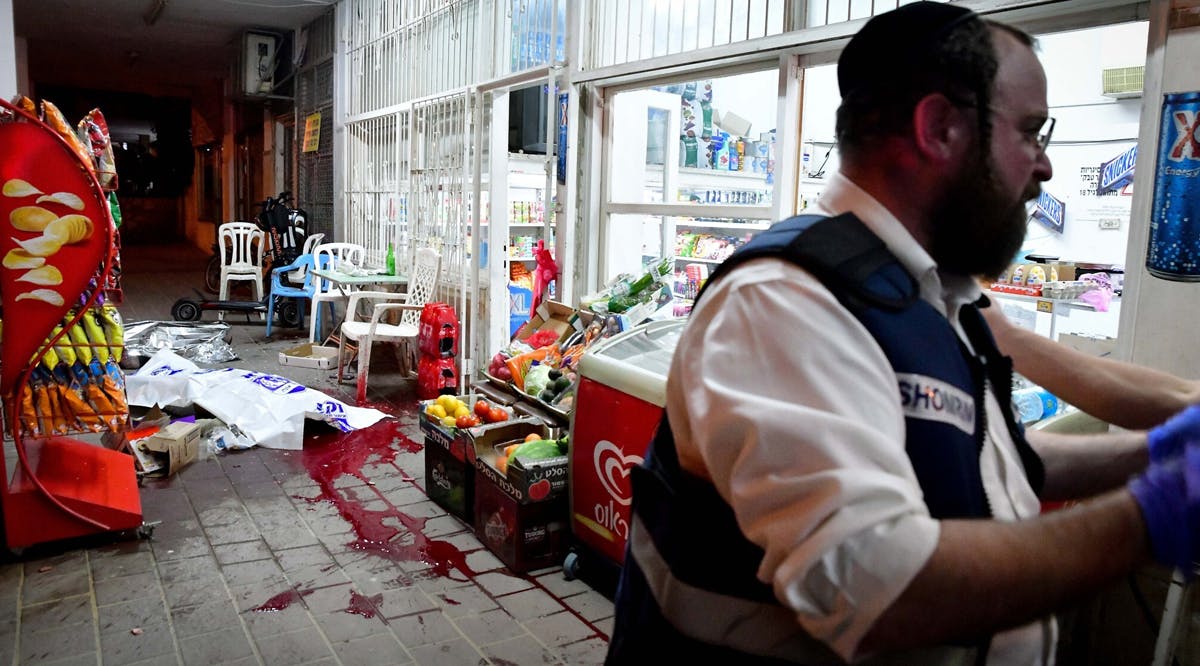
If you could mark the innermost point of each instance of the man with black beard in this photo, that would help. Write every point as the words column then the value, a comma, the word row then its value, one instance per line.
column 838, row 474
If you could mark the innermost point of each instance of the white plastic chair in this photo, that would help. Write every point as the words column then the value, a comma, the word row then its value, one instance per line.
column 241, row 245
column 296, row 277
column 339, row 255
column 422, row 284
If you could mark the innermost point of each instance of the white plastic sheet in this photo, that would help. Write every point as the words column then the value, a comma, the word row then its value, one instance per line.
column 269, row 408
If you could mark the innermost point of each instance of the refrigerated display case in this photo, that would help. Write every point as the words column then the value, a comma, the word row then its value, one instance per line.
column 622, row 390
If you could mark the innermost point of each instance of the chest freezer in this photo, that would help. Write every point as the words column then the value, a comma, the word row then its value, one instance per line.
column 619, row 402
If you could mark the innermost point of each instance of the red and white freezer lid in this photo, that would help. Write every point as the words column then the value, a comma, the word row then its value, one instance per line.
column 635, row 361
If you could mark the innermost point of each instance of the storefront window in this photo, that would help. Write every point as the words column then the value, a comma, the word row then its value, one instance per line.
column 691, row 172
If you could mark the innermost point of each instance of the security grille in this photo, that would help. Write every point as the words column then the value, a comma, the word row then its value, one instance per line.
column 405, row 50
column 314, row 170
column 377, row 153
column 623, row 31
column 616, row 32
column 438, row 181
column 439, row 196
column 826, row 12
column 398, row 53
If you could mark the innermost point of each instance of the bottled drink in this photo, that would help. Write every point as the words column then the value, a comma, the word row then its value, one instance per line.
column 391, row 260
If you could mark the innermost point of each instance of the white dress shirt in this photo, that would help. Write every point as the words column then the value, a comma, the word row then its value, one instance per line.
column 784, row 401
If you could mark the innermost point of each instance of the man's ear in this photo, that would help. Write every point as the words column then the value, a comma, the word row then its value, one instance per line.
column 941, row 128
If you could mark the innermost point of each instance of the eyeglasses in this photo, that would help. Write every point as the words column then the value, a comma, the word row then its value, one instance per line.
column 1039, row 137
column 1042, row 138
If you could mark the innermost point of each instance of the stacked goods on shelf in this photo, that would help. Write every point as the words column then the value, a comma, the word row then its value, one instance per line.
column 78, row 386
column 64, row 339
column 710, row 139
column 1054, row 281
column 711, row 247
column 688, row 283
column 526, row 212
column 520, row 296
column 521, row 247
column 695, row 100
column 709, row 195
column 437, row 346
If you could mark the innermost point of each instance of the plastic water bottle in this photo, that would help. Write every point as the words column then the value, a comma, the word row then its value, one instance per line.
column 1033, row 404
column 391, row 260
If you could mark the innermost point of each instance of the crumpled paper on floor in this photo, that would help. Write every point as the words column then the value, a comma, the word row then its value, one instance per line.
column 268, row 408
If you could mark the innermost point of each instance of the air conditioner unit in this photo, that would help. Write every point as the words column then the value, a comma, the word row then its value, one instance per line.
column 1124, row 82
column 258, row 63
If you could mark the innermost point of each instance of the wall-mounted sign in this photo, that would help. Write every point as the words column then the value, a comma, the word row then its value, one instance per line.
column 312, row 133
column 1174, row 248
column 1050, row 211
column 1117, row 172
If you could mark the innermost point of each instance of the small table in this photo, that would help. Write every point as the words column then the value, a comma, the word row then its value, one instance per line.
column 344, row 280
column 347, row 284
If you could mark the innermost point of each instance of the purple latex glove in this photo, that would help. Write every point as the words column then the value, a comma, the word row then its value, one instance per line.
column 1168, row 494
column 1169, row 439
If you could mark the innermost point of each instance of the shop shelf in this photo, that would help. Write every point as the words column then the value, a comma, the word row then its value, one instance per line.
column 725, row 225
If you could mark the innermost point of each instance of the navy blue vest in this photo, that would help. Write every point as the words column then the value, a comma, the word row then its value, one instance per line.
column 695, row 531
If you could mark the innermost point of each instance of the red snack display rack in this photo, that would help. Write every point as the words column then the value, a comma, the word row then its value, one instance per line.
column 59, row 230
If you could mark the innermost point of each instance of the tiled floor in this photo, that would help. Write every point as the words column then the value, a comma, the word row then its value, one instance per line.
column 330, row 555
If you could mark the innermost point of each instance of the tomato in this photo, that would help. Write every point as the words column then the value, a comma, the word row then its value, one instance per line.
column 496, row 415
column 466, row 421
column 532, row 436
column 482, row 408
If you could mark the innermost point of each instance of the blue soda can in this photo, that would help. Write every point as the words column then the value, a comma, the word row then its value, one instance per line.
column 1174, row 247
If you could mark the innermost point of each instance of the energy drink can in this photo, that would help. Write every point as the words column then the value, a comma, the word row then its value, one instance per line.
column 1173, row 252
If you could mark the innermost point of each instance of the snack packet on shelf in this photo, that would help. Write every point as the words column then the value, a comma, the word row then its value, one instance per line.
column 93, row 133
column 54, row 118
column 25, row 104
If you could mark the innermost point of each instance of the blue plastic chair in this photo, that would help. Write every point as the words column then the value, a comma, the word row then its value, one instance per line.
column 281, row 290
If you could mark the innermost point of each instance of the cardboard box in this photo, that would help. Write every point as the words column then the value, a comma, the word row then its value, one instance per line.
column 449, row 481
column 539, row 480
column 449, row 472
column 450, row 462
column 489, row 442
column 309, row 355
column 1065, row 270
column 559, row 317
column 522, row 532
column 179, row 442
